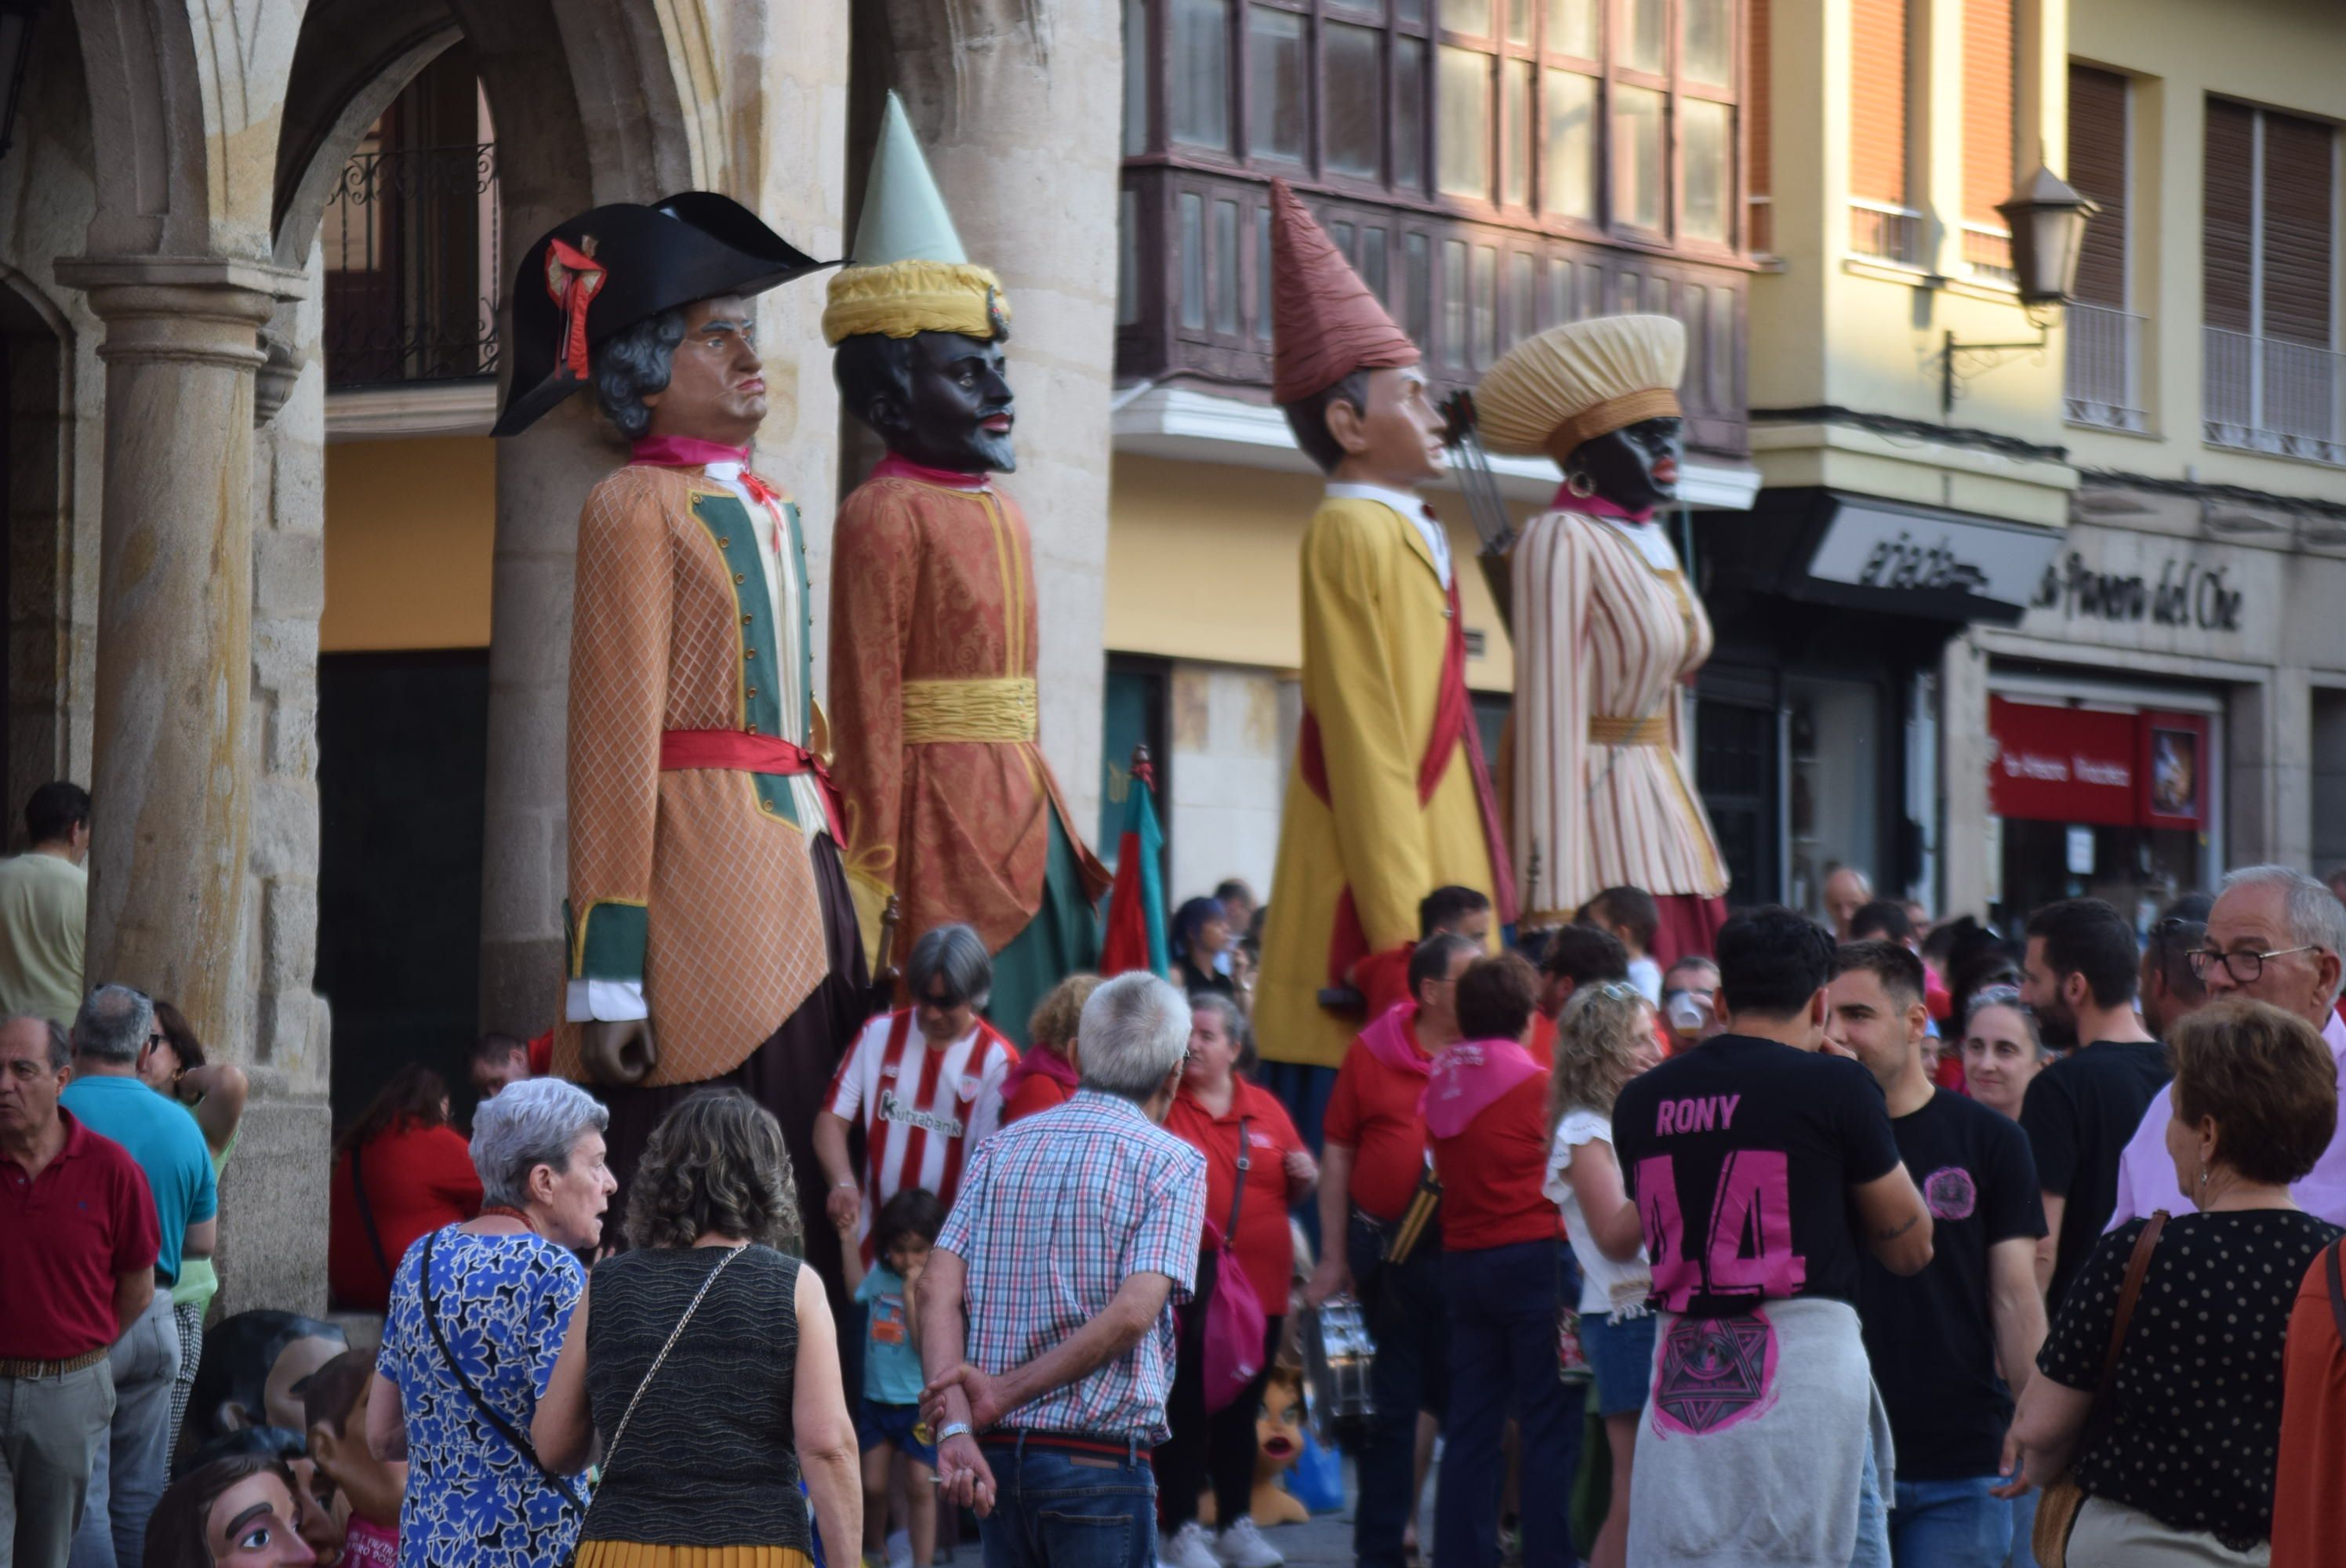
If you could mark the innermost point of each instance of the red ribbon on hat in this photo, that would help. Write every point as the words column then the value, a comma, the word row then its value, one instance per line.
column 573, row 277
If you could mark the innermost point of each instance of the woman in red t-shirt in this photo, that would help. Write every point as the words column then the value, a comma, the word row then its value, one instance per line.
column 1503, row 1273
column 1215, row 1109
column 419, row 1176
column 1048, row 1072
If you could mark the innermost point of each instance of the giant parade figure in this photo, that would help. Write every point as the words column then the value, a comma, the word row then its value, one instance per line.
column 1606, row 631
column 710, row 937
column 1389, row 798
column 949, row 805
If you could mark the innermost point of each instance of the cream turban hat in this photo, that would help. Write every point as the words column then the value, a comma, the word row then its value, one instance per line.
column 1573, row 383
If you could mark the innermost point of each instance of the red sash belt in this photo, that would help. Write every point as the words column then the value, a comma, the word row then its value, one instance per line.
column 740, row 752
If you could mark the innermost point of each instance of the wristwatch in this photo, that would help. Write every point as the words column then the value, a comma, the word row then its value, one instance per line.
column 951, row 1430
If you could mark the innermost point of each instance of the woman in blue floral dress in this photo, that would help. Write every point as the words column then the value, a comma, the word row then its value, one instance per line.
column 456, row 1404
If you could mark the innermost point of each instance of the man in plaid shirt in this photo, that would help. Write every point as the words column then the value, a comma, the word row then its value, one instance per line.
column 1047, row 1313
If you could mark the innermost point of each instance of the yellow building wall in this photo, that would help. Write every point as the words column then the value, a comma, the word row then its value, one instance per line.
column 2284, row 55
column 1204, row 561
column 410, row 530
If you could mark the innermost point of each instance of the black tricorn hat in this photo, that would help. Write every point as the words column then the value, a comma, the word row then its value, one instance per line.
column 592, row 277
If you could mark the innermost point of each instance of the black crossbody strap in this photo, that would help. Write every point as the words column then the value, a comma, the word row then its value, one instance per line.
column 521, row 1445
column 2337, row 1289
column 1238, row 1188
column 366, row 1216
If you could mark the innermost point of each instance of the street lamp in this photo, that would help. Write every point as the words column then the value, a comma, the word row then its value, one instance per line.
column 2046, row 217
column 16, row 19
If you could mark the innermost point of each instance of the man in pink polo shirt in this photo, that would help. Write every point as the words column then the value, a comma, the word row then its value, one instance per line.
column 2275, row 935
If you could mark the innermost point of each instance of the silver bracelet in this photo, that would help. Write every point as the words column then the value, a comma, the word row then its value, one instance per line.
column 953, row 1429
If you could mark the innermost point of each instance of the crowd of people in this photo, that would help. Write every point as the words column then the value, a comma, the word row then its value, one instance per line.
column 1861, row 1240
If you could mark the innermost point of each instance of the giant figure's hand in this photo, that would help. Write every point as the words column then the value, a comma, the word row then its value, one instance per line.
column 618, row 1054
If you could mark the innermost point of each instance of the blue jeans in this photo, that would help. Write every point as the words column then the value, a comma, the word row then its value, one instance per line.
column 1873, row 1548
column 1951, row 1524
column 2024, row 1531
column 1503, row 1342
column 1403, row 1307
column 1053, row 1509
column 134, row 1463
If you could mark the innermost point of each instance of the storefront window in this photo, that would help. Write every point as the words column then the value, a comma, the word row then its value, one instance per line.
column 1836, row 770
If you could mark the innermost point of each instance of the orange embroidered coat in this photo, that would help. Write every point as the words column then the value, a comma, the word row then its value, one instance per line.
column 696, row 883
column 934, row 714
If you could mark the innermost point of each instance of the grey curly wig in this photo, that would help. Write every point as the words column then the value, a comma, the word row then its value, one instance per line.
column 717, row 1164
column 636, row 362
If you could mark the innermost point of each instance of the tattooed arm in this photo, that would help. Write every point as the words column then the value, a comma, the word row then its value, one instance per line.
column 1897, row 1226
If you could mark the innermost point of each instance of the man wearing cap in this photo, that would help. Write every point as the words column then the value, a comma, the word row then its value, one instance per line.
column 1389, row 798
column 950, row 806
column 710, row 938
column 1607, row 632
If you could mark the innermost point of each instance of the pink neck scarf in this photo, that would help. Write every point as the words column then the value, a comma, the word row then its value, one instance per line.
column 686, row 452
column 894, row 467
column 1388, row 1041
column 1595, row 506
column 1467, row 1077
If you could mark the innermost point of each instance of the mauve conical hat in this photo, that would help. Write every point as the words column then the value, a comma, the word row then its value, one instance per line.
column 1577, row 382
column 1325, row 324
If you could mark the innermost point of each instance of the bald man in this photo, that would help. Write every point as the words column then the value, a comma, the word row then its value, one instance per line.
column 1847, row 890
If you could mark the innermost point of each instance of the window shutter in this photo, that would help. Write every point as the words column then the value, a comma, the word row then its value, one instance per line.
column 1988, row 174
column 1755, row 94
column 1877, row 140
column 2298, row 197
column 2226, row 207
column 2097, row 167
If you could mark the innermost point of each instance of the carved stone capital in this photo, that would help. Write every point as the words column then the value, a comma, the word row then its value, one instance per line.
column 195, row 310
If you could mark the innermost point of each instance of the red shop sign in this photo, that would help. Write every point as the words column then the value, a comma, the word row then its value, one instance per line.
column 2064, row 764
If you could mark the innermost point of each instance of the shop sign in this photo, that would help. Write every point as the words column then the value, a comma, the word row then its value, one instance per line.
column 2084, row 766
column 2186, row 595
column 1913, row 553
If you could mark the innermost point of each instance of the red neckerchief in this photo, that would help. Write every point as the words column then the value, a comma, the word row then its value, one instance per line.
column 691, row 452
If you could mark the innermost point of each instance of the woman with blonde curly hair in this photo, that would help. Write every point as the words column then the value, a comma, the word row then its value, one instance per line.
column 1605, row 1038
column 1049, row 1072
column 707, row 1365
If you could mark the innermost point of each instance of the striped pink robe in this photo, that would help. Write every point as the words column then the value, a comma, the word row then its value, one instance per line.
column 1603, row 638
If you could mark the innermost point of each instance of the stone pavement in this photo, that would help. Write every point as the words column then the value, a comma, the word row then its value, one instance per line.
column 1324, row 1541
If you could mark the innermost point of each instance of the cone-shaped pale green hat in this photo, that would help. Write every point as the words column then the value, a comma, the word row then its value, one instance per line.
column 908, row 272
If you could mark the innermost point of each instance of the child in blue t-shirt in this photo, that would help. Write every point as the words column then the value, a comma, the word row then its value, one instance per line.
column 906, row 1230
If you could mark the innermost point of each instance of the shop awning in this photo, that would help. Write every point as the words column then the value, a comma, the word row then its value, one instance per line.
column 2095, row 767
column 1861, row 552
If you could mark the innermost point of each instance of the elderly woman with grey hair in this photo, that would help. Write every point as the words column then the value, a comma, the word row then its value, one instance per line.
column 477, row 1316
column 925, row 1081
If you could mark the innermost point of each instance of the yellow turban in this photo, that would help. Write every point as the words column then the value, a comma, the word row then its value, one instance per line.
column 898, row 299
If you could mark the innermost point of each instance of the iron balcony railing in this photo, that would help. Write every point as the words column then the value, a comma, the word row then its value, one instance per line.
column 413, row 258
column 2103, row 376
column 1886, row 232
column 2267, row 394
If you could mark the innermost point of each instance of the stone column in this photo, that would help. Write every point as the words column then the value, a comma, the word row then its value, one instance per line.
column 172, row 770
column 1964, row 875
column 1018, row 108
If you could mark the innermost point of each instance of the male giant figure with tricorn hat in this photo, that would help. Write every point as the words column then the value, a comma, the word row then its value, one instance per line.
column 949, row 804
column 710, row 938
column 1389, row 798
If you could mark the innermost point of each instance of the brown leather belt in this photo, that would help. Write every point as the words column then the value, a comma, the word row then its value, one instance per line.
column 22, row 1369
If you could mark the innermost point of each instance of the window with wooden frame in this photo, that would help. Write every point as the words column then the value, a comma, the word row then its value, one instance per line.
column 2269, row 226
column 1883, row 221
column 1989, row 173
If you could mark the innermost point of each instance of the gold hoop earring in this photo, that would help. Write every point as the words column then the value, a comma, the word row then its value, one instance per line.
column 1580, row 485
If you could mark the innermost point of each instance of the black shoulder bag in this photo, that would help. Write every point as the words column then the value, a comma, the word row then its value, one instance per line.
column 366, row 1218
column 521, row 1445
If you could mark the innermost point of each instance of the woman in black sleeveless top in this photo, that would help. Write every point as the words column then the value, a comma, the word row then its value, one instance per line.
column 705, row 1469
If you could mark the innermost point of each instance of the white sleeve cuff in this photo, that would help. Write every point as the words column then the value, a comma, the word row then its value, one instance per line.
column 606, row 1001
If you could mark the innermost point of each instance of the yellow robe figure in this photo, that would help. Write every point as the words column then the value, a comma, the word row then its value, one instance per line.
column 1357, row 847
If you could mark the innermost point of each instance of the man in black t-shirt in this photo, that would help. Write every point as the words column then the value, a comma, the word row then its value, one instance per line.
column 1937, row 1338
column 2079, row 980
column 1750, row 1159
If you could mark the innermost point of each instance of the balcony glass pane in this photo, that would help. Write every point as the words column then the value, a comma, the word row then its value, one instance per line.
column 1372, row 260
column 1572, row 27
column 1454, row 303
column 1262, row 272
column 1277, row 96
column 1463, row 139
column 1559, row 293
column 1519, row 296
column 1193, row 261
column 1708, row 131
column 1127, row 259
column 1519, row 21
column 1136, row 76
column 1641, row 45
column 1486, row 306
column 1637, row 158
column 1467, row 17
column 1706, row 55
column 1341, row 233
column 1409, row 10
column 1348, row 84
column 1226, row 267
column 1515, row 131
column 1569, row 109
column 1409, row 113
column 1418, row 263
column 1197, row 76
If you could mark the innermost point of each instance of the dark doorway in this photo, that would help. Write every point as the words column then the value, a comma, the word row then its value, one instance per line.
column 1738, row 771
column 402, row 750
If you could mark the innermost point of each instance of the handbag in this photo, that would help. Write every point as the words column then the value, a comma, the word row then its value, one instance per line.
column 1235, row 1321
column 488, row 1412
column 2056, row 1511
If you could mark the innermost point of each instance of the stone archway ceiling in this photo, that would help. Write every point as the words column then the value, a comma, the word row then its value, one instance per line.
column 354, row 58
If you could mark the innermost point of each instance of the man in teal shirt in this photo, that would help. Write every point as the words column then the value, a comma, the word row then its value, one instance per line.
column 115, row 1027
